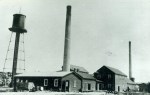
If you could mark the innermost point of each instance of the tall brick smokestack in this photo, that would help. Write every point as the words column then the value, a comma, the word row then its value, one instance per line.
column 130, row 63
column 66, row 62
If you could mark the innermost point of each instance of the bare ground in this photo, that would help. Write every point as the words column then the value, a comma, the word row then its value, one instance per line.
column 51, row 93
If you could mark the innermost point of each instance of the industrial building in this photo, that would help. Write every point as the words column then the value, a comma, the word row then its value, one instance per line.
column 76, row 80
column 113, row 79
column 60, row 81
column 71, row 78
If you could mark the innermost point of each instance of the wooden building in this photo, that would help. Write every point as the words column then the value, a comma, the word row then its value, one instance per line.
column 78, row 79
column 113, row 79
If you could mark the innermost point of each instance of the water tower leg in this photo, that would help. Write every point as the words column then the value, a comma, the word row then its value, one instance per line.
column 16, row 48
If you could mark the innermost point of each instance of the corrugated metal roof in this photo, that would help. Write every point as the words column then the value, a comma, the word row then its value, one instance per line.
column 85, row 75
column 43, row 74
column 116, row 71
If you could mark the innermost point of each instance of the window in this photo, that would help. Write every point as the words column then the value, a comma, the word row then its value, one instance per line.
column 102, row 86
column 21, row 80
column 26, row 81
column 45, row 82
column 17, row 80
column 109, row 76
column 67, row 83
column 109, row 85
column 99, row 76
column 74, row 83
column 56, row 83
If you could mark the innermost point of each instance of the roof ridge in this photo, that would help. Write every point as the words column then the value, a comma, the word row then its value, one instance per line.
column 116, row 71
column 84, row 75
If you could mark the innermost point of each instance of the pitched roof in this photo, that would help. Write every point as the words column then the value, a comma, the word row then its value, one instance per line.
column 43, row 74
column 81, row 69
column 116, row 71
column 85, row 75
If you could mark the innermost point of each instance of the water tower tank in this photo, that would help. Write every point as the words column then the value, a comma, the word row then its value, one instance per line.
column 18, row 23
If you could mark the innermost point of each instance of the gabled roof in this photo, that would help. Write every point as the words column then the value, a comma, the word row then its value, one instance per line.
column 116, row 71
column 85, row 75
column 43, row 74
column 81, row 69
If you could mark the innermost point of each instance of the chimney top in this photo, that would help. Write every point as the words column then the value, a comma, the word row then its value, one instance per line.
column 69, row 7
column 69, row 10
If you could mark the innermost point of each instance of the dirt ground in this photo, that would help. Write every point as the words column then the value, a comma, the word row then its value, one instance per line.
column 51, row 93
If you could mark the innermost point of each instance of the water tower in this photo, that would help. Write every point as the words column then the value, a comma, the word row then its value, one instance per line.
column 19, row 29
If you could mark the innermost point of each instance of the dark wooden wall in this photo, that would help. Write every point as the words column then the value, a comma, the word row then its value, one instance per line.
column 102, row 75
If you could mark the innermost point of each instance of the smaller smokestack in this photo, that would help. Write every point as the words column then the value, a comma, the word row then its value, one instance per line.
column 130, row 61
column 66, row 63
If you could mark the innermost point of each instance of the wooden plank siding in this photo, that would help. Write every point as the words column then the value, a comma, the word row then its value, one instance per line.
column 74, row 82
column 108, row 81
column 88, row 85
column 114, row 79
column 39, row 81
column 71, row 82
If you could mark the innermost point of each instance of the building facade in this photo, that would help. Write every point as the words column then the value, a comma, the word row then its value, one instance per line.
column 59, row 81
column 113, row 79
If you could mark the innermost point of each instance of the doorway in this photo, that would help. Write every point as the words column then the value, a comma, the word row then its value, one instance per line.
column 65, row 86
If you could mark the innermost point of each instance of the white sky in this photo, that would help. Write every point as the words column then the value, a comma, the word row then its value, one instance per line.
column 100, row 31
